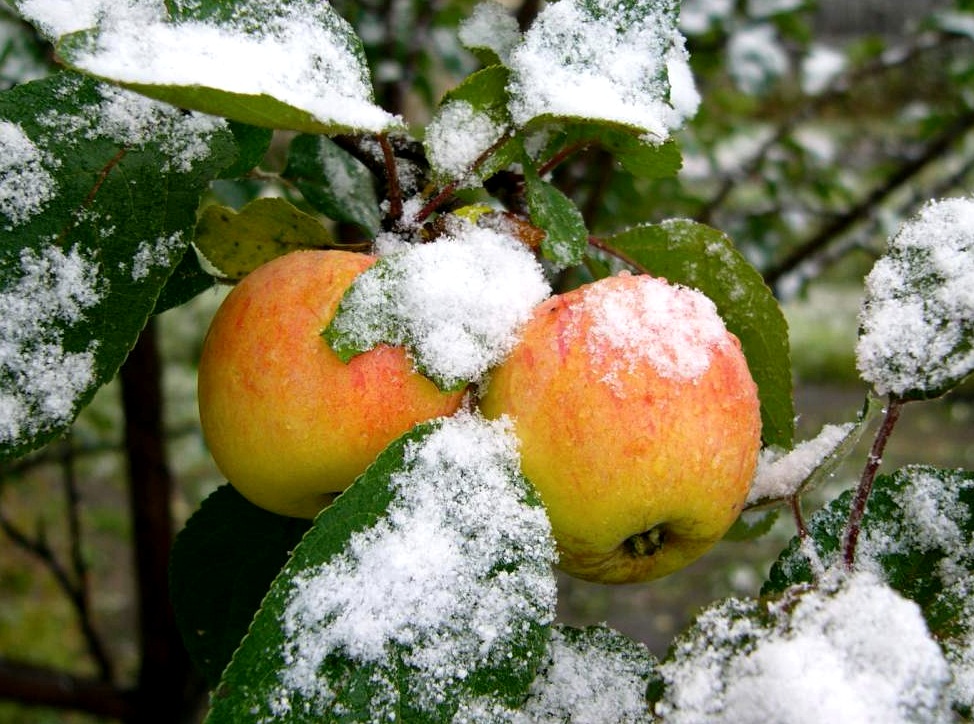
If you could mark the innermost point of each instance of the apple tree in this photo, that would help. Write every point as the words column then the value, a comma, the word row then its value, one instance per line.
column 489, row 157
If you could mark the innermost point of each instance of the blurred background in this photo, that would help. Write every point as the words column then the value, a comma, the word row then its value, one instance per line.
column 823, row 126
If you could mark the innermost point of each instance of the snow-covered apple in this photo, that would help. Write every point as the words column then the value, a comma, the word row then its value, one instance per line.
column 639, row 424
column 287, row 422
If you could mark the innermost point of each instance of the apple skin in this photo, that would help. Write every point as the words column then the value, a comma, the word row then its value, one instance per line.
column 286, row 421
column 641, row 472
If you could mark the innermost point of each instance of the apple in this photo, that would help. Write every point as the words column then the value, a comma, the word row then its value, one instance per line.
column 639, row 424
column 286, row 421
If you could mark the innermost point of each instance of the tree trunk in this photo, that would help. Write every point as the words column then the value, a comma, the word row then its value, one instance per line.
column 167, row 689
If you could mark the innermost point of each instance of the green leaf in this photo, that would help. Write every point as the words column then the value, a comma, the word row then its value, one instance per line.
column 918, row 528
column 699, row 256
column 566, row 237
column 456, row 326
column 916, row 338
column 188, row 279
column 640, row 157
column 266, row 228
column 585, row 671
column 252, row 143
column 471, row 120
column 221, row 567
column 751, row 525
column 292, row 64
column 100, row 190
column 621, row 63
column 427, row 582
column 333, row 182
column 845, row 648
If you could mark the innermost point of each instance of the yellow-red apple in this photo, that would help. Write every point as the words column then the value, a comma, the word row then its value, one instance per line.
column 287, row 422
column 639, row 424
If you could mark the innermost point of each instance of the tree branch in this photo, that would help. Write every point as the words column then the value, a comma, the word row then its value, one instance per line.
column 40, row 686
column 933, row 152
column 165, row 679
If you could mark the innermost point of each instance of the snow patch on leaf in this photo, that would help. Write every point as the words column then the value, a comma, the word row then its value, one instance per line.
column 25, row 183
column 605, row 60
column 917, row 320
column 457, row 303
column 301, row 53
column 133, row 121
column 588, row 673
column 42, row 380
column 781, row 474
column 850, row 650
column 442, row 584
column 458, row 135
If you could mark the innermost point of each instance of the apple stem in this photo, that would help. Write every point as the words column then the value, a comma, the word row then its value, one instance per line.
column 854, row 524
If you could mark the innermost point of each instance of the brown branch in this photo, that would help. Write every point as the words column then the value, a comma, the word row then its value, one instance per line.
column 81, row 598
column 165, row 677
column 40, row 686
column 75, row 589
column 934, row 151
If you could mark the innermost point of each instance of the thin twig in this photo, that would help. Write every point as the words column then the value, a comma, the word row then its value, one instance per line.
column 81, row 590
column 796, row 512
column 393, row 190
column 858, row 510
column 446, row 193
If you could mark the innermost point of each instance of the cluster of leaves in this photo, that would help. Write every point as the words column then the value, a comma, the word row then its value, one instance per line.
column 108, row 218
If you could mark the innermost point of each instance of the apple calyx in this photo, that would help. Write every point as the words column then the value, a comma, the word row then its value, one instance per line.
column 645, row 544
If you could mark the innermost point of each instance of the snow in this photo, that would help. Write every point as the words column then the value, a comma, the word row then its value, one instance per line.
column 458, row 135
column 295, row 52
column 598, row 678
column 630, row 69
column 697, row 16
column 491, row 26
column 132, row 120
column 457, row 303
column 637, row 321
column 917, row 318
column 41, row 379
column 25, row 183
column 852, row 650
column 780, row 474
column 448, row 579
column 820, row 68
column 155, row 253
column 756, row 58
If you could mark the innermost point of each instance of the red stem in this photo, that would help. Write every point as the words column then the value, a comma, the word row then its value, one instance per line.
column 854, row 525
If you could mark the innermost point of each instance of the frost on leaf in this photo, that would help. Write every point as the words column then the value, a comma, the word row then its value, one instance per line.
column 586, row 674
column 26, row 184
column 457, row 303
column 916, row 335
column 851, row 649
column 42, row 378
column 301, row 54
column 458, row 135
column 98, row 187
column 609, row 60
column 446, row 594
